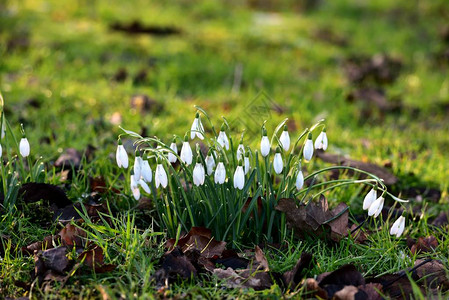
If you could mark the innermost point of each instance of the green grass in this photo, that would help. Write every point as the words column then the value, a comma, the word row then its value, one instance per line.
column 72, row 57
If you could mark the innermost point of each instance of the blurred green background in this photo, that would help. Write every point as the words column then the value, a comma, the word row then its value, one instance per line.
column 73, row 71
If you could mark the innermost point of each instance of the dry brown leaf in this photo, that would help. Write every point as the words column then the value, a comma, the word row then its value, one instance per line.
column 316, row 218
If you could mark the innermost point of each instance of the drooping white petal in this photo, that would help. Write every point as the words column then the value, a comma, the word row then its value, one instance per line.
column 160, row 176
column 220, row 173
column 137, row 168
column 135, row 188
column 186, row 153
column 198, row 174
column 285, row 140
column 308, row 150
column 376, row 208
column 398, row 227
column 239, row 178
column 146, row 172
column 247, row 165
column 121, row 157
column 210, row 164
column 24, row 147
column 145, row 186
column 277, row 163
column 223, row 140
column 265, row 146
column 197, row 129
column 193, row 128
column 240, row 151
column 171, row 157
column 1, row 150
column 369, row 199
column 321, row 141
column 299, row 180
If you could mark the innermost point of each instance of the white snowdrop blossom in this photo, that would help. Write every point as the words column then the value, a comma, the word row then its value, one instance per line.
column 299, row 179
column 24, row 147
column 146, row 172
column 285, row 139
column 145, row 186
column 264, row 144
column 137, row 166
column 121, row 156
column 278, row 165
column 171, row 157
column 398, row 227
column 198, row 174
column 1, row 150
column 308, row 148
column 246, row 163
column 369, row 198
column 135, row 188
column 160, row 177
column 197, row 128
column 240, row 151
column 223, row 139
column 210, row 164
column 220, row 173
column 239, row 177
column 186, row 152
column 376, row 208
column 321, row 140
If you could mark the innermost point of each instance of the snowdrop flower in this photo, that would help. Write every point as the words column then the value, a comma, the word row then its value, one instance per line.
column 321, row 140
column 299, row 179
column 398, row 227
column 198, row 173
column 137, row 166
column 220, row 173
column 186, row 152
column 145, row 186
column 24, row 147
column 239, row 177
column 121, row 156
column 210, row 164
column 135, row 188
column 285, row 139
column 160, row 176
column 197, row 128
column 264, row 144
column 1, row 150
column 277, row 161
column 308, row 148
column 240, row 150
column 146, row 172
column 246, row 163
column 376, row 208
column 222, row 138
column 171, row 157
column 370, row 198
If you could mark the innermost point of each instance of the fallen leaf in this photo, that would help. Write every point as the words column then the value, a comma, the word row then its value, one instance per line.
column 293, row 277
column 94, row 259
column 441, row 219
column 433, row 273
column 145, row 104
column 201, row 239
column 261, row 260
column 173, row 264
column 315, row 218
column 424, row 244
column 72, row 236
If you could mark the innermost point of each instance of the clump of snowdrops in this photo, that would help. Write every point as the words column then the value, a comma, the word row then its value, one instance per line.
column 232, row 188
column 16, row 166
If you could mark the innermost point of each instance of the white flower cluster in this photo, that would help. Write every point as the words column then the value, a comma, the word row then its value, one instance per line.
column 374, row 206
column 143, row 174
